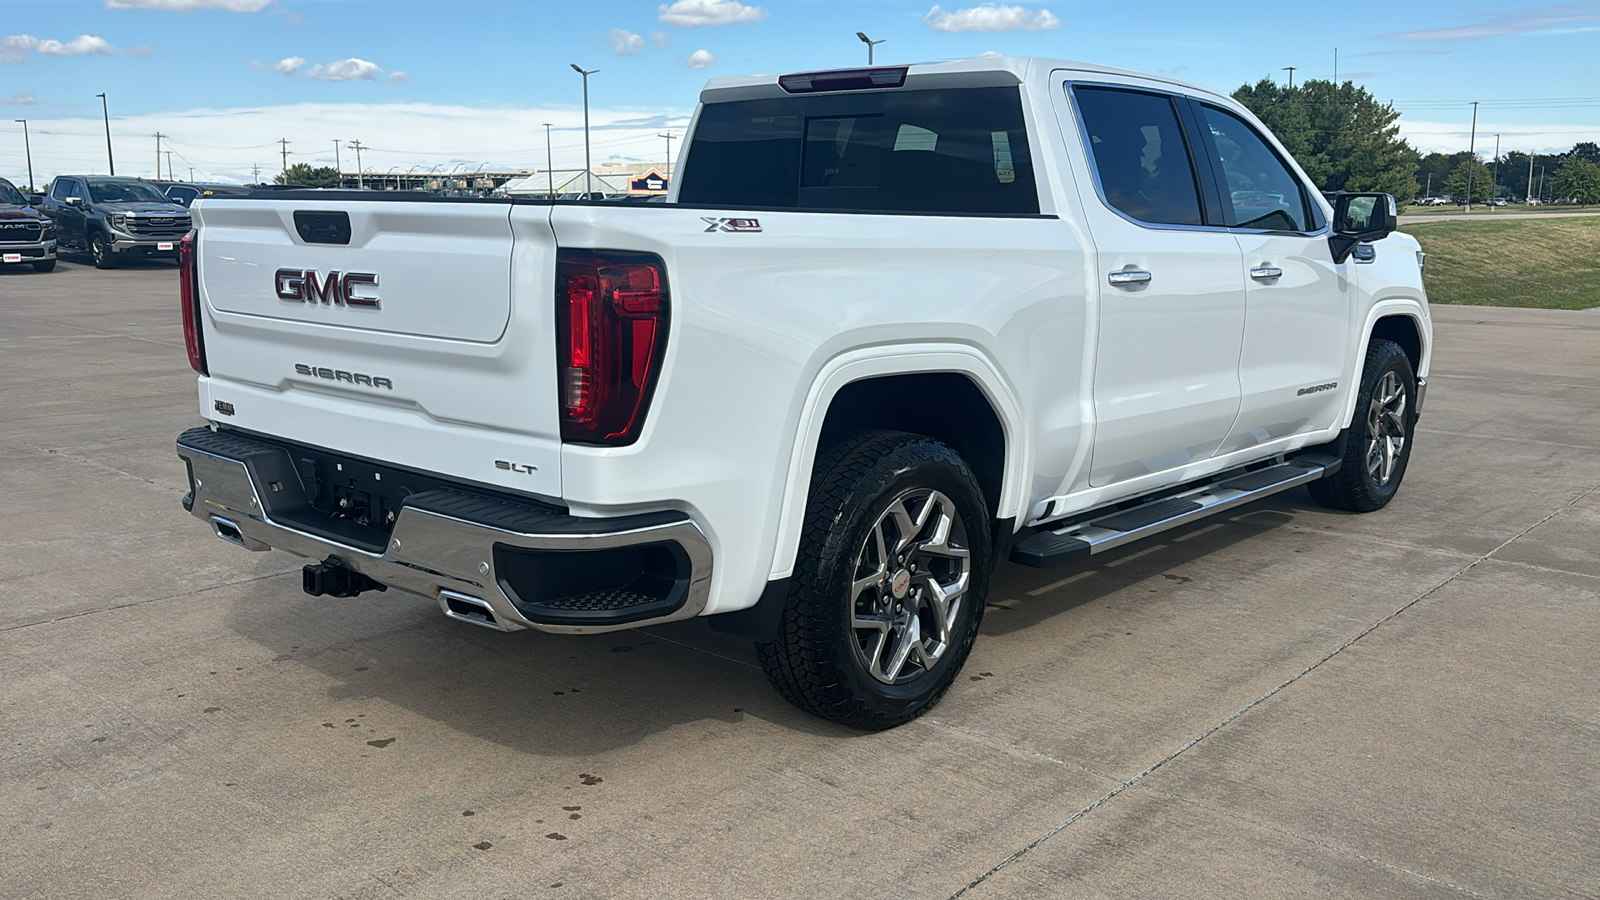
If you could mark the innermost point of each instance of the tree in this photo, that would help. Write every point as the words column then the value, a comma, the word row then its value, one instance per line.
column 1578, row 179
column 305, row 175
column 1482, row 189
column 1587, row 150
column 1341, row 135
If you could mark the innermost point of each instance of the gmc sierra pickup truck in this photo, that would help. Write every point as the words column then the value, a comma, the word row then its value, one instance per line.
column 893, row 324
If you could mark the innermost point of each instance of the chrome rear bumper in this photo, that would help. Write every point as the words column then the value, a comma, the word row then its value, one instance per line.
column 469, row 551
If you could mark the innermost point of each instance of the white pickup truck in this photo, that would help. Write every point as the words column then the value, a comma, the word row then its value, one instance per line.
column 892, row 325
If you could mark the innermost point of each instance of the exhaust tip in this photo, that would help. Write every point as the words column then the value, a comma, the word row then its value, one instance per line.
column 467, row 609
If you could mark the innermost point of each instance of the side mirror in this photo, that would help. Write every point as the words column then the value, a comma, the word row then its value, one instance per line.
column 1358, row 218
column 74, row 201
column 35, row 199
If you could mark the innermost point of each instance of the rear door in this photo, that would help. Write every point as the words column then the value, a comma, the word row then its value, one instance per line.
column 1171, row 288
column 420, row 334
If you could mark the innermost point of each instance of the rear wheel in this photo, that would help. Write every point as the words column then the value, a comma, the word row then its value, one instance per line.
column 100, row 250
column 889, row 582
column 1378, row 442
column 44, row 266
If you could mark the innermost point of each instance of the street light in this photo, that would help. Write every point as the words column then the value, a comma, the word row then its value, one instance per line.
column 550, row 174
column 392, row 170
column 870, row 44
column 106, row 112
column 27, row 148
column 588, row 167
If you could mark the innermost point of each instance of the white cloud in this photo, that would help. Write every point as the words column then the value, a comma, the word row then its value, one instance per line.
column 625, row 42
column 20, row 100
column 1544, row 20
column 1455, row 137
column 352, row 69
column 16, row 47
column 991, row 17
column 701, row 59
column 990, row 54
column 238, row 6
column 658, row 38
column 697, row 13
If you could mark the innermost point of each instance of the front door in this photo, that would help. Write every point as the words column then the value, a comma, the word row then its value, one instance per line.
column 1170, row 290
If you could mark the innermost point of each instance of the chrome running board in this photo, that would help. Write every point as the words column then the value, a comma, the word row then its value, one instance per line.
column 1113, row 529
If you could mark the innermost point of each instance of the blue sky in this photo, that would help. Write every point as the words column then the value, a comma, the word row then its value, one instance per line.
column 470, row 84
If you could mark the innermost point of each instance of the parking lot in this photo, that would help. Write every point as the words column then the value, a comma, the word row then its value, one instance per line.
column 1285, row 702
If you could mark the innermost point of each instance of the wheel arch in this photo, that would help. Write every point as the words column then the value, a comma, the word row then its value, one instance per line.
column 1402, row 320
column 848, row 393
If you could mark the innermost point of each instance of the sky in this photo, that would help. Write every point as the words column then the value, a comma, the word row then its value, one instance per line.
column 471, row 85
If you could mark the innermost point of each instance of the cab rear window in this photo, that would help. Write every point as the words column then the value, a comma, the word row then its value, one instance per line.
column 941, row 151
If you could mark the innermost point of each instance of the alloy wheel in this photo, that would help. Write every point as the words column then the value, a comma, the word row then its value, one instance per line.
column 1386, row 428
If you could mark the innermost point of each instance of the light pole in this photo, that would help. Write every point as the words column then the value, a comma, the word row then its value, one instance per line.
column 336, row 166
column 1494, row 183
column 550, row 174
column 1528, row 200
column 106, row 112
column 588, row 167
column 408, row 176
column 669, row 136
column 870, row 44
column 28, row 149
column 392, row 170
column 1472, row 150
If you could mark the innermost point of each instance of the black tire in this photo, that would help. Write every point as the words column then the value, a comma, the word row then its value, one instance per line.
column 820, row 661
column 1367, row 480
column 100, row 250
column 44, row 266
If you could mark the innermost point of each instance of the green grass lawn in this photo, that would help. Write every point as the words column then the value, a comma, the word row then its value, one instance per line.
column 1543, row 263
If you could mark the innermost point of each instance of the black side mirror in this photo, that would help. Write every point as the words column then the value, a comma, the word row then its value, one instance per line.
column 1358, row 218
column 35, row 199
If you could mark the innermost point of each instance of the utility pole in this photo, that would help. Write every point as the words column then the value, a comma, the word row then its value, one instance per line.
column 283, row 149
column 27, row 148
column 1494, row 183
column 158, row 137
column 1428, row 191
column 1472, row 148
column 588, row 167
column 169, row 167
column 669, row 136
column 1528, row 199
column 255, row 173
column 191, row 172
column 1336, row 67
column 337, row 166
column 105, row 111
column 870, row 44
column 550, row 174
column 357, row 146
column 1290, row 70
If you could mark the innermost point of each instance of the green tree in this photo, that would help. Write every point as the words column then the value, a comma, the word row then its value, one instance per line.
column 1578, row 179
column 306, row 175
column 1344, row 138
column 1482, row 189
column 1435, row 168
column 1587, row 150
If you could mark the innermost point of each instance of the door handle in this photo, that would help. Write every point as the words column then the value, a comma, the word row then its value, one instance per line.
column 1126, row 277
column 1265, row 273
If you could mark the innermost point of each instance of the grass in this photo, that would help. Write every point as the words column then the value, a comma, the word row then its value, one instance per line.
column 1539, row 263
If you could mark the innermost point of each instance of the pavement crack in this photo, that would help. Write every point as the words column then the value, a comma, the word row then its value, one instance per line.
column 145, row 602
column 49, row 451
column 1273, row 692
column 668, row 640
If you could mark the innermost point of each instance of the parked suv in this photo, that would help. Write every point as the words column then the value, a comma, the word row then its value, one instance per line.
column 26, row 236
column 115, row 218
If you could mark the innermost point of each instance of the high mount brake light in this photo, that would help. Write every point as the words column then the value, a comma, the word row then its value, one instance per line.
column 611, row 325
column 843, row 80
column 189, row 290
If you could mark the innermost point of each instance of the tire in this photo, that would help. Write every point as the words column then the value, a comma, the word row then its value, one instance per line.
column 100, row 250
column 1379, row 440
column 889, row 582
column 44, row 266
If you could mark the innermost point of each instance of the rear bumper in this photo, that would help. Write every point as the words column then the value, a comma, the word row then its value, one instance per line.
column 489, row 559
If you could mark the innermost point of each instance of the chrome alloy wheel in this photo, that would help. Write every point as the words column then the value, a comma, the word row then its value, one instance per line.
column 1386, row 428
column 911, row 579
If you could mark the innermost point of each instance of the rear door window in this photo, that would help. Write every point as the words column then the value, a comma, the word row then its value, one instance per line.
column 1261, row 191
column 1141, row 159
column 943, row 151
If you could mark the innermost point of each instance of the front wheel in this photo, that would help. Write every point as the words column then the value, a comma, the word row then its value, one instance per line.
column 889, row 582
column 100, row 249
column 1378, row 441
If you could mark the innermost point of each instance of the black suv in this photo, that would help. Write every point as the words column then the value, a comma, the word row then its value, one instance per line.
column 114, row 218
column 25, row 235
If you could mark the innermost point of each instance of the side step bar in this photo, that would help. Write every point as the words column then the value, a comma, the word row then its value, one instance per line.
column 1070, row 542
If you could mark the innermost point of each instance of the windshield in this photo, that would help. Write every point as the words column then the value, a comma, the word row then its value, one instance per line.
column 9, row 194
column 124, row 192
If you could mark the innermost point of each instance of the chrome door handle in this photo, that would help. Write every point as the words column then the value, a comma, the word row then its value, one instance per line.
column 1265, row 273
column 1129, row 276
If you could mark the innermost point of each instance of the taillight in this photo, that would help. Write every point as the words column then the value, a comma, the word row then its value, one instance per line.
column 611, row 325
column 189, row 289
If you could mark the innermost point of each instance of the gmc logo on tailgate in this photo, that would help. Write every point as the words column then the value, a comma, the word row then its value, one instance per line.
column 335, row 289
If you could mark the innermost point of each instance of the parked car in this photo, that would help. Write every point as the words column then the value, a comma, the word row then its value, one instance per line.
column 113, row 218
column 184, row 193
column 1496, row 201
column 26, row 235
column 893, row 324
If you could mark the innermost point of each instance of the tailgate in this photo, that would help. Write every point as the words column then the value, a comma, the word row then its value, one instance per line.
column 425, row 341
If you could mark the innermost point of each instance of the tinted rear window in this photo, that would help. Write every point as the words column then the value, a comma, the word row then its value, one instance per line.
column 950, row 151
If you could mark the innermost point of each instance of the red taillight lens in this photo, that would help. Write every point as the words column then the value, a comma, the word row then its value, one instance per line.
column 611, row 320
column 189, row 288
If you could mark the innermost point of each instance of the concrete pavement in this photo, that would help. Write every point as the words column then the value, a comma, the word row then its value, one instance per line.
column 1286, row 702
